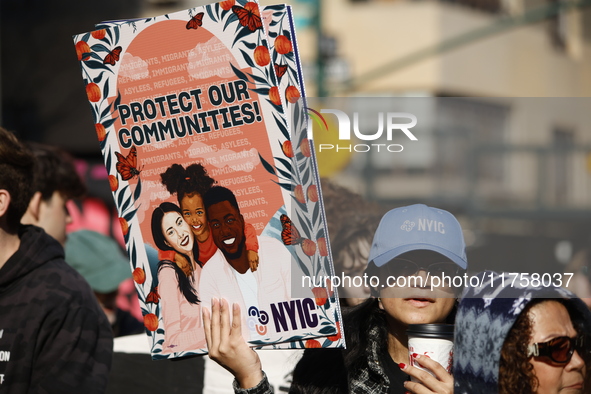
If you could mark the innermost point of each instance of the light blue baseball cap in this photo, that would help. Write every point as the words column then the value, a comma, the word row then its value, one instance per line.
column 418, row 227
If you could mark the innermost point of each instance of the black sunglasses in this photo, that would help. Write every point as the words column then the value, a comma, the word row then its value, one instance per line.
column 404, row 267
column 560, row 350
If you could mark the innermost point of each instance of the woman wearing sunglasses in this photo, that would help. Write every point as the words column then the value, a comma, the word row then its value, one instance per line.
column 411, row 245
column 513, row 339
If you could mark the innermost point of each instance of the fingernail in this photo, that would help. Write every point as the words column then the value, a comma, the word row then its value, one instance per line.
column 402, row 365
column 415, row 355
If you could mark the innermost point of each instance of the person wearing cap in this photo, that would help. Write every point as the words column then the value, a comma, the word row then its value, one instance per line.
column 100, row 260
column 417, row 242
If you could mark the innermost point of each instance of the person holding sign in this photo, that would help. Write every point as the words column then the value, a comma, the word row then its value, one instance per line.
column 181, row 309
column 190, row 185
column 412, row 241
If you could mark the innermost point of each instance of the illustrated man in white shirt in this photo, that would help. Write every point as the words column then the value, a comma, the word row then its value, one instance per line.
column 228, row 275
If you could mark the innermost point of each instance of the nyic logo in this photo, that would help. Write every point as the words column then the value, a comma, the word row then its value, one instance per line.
column 392, row 120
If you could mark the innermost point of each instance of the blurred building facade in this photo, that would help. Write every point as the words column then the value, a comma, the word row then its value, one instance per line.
column 513, row 156
column 523, row 48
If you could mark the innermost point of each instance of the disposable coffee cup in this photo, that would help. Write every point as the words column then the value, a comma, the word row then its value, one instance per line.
column 432, row 340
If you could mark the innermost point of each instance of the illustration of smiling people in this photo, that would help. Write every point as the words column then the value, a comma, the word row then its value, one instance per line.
column 227, row 274
column 190, row 185
column 180, row 303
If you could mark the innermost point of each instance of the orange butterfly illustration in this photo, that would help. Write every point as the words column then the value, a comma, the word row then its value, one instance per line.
column 289, row 235
column 153, row 296
column 280, row 70
column 113, row 56
column 195, row 21
column 248, row 17
column 126, row 166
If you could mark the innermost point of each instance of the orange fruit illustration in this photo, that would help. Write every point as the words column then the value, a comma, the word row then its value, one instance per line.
column 287, row 148
column 274, row 95
column 282, row 45
column 113, row 182
column 227, row 4
column 93, row 92
column 312, row 344
column 124, row 226
column 312, row 193
column 82, row 47
column 298, row 192
column 139, row 275
column 99, row 34
column 305, row 147
column 261, row 55
column 309, row 247
column 151, row 322
column 322, row 248
column 292, row 94
column 101, row 132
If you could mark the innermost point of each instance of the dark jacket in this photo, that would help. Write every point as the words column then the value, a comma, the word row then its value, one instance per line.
column 54, row 338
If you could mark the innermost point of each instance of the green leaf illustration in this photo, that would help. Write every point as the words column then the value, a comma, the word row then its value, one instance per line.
column 239, row 73
column 267, row 166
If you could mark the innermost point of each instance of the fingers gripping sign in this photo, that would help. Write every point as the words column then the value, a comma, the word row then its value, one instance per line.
column 226, row 345
column 442, row 382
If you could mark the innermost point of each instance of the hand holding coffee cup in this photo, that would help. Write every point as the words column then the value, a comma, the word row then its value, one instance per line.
column 432, row 340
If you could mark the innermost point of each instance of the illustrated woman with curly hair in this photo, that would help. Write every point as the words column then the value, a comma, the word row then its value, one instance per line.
column 521, row 340
column 190, row 185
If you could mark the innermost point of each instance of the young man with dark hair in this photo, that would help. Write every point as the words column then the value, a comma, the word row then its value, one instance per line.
column 53, row 335
column 54, row 182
